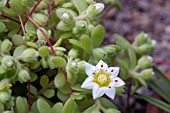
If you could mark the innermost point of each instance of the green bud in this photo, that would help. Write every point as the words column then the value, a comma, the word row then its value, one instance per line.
column 67, row 18
column 29, row 55
column 4, row 96
column 39, row 18
column 144, row 49
column 145, row 62
column 147, row 74
column 6, row 45
column 73, row 53
column 30, row 36
column 4, row 84
column 7, row 62
column 95, row 10
column 43, row 51
column 23, row 76
column 81, row 25
column 142, row 38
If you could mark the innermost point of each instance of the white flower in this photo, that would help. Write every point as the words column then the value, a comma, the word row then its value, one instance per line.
column 102, row 80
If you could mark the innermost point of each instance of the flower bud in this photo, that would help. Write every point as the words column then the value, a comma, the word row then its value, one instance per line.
column 4, row 84
column 7, row 62
column 4, row 96
column 39, row 18
column 6, row 45
column 43, row 51
column 95, row 10
column 30, row 36
column 81, row 25
column 67, row 18
column 29, row 55
column 145, row 62
column 144, row 49
column 147, row 74
column 141, row 39
column 73, row 53
column 23, row 76
column 110, row 49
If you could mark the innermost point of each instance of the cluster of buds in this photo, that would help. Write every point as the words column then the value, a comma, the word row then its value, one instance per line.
column 143, row 44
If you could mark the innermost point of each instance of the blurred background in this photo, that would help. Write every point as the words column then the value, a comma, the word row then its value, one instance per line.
column 151, row 17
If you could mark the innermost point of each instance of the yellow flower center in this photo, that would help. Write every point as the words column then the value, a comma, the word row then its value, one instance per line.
column 102, row 78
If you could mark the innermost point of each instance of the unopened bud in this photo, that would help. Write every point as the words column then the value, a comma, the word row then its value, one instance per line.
column 7, row 62
column 23, row 76
column 95, row 10
column 144, row 49
column 145, row 62
column 29, row 55
column 81, row 25
column 4, row 96
column 67, row 18
column 147, row 73
column 141, row 39
column 6, row 45
column 73, row 53
column 30, row 36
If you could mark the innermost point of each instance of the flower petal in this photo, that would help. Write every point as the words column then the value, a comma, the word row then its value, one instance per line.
column 98, row 92
column 88, row 84
column 111, row 92
column 102, row 65
column 113, row 71
column 117, row 82
column 90, row 69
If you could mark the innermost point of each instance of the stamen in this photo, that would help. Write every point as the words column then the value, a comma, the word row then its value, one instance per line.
column 116, row 80
column 102, row 65
column 112, row 70
column 109, row 86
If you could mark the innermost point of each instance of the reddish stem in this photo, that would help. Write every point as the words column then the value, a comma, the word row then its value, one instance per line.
column 10, row 18
column 46, row 37
column 69, row 86
column 29, row 96
column 21, row 24
column 52, row 49
column 39, row 1
column 161, row 62
column 49, row 12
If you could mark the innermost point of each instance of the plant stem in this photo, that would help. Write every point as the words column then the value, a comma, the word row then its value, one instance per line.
column 128, row 97
column 10, row 18
column 49, row 12
column 39, row 1
column 52, row 49
column 21, row 24
column 46, row 37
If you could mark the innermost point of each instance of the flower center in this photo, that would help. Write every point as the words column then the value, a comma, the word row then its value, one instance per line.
column 102, row 78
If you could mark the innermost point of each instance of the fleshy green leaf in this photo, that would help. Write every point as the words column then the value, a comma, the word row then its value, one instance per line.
column 43, row 106
column 122, row 42
column 59, row 61
column 75, row 42
column 59, row 80
column 17, row 39
column 87, row 44
column 44, row 80
column 133, row 58
column 2, row 27
column 64, row 27
column 21, row 105
column 57, row 108
column 70, row 107
column 19, row 50
column 49, row 93
column 1, row 107
column 29, row 26
column 156, row 102
column 106, row 103
column 81, row 5
column 97, row 35
column 90, row 109
column 33, row 90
